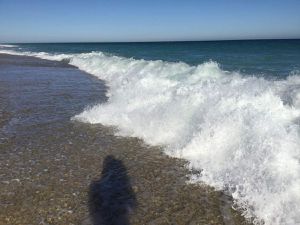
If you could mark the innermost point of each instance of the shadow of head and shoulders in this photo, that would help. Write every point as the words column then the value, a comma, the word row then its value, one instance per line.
column 111, row 198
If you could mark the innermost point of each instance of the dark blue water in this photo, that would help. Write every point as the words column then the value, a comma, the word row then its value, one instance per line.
column 276, row 58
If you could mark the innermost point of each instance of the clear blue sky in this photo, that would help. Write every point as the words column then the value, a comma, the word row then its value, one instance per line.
column 152, row 20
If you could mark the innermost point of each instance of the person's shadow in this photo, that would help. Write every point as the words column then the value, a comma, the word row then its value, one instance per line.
column 111, row 198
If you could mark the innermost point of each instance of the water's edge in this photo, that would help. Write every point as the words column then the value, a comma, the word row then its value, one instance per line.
column 48, row 165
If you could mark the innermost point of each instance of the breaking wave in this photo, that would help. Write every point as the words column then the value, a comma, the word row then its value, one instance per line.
column 242, row 132
column 7, row 46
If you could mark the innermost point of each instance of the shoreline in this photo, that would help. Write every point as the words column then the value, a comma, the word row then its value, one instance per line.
column 49, row 164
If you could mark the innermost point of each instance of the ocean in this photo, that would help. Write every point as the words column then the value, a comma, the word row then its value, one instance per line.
column 230, row 108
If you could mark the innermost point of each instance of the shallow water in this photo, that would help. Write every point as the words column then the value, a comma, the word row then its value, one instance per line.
column 46, row 91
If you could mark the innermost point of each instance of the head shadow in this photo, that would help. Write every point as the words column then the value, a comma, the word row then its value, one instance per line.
column 111, row 198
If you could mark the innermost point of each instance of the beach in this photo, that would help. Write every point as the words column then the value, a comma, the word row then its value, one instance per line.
column 139, row 112
column 48, row 160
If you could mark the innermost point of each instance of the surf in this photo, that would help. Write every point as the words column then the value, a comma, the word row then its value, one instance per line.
column 241, row 131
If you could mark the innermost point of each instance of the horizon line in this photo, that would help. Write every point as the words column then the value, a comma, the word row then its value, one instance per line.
column 166, row 41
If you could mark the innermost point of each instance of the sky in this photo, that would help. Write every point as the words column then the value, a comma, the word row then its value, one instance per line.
column 152, row 20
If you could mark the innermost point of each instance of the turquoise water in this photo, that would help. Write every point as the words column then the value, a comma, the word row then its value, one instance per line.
column 260, row 57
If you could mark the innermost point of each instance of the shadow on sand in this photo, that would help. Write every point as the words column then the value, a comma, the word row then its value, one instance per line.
column 111, row 198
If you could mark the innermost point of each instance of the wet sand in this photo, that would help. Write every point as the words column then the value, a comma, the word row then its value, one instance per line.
column 48, row 161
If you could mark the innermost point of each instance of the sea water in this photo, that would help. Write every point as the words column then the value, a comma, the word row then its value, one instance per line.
column 230, row 108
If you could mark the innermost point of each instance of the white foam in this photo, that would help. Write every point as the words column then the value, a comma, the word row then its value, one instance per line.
column 241, row 131
column 7, row 46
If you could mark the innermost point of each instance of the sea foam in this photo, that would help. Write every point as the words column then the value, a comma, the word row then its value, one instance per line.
column 241, row 131
column 7, row 46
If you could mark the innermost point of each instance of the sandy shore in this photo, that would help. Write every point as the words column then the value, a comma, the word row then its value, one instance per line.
column 48, row 162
